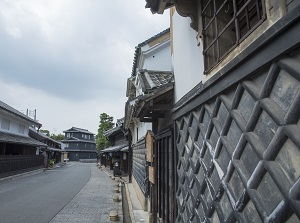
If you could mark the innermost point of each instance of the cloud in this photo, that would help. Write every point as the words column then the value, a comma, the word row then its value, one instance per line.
column 75, row 52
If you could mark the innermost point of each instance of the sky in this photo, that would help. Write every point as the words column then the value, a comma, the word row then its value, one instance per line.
column 70, row 59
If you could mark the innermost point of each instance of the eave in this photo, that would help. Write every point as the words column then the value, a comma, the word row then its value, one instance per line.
column 113, row 131
column 185, row 8
column 150, row 106
column 6, row 109
column 159, row 6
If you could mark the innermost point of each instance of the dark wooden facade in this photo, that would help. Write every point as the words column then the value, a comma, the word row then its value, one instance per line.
column 11, row 164
column 80, row 144
column 52, row 148
column 165, row 176
column 111, row 155
column 139, row 167
column 118, row 152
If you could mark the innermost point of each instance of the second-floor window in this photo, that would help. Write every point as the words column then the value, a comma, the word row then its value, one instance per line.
column 226, row 23
column 21, row 129
column 5, row 124
column 84, row 136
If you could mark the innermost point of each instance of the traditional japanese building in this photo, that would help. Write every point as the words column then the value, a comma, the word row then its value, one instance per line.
column 53, row 149
column 80, row 144
column 118, row 150
column 147, row 111
column 235, row 116
column 18, row 152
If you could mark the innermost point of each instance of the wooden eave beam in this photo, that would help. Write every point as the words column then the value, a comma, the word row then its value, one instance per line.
column 147, row 119
column 160, row 107
column 155, row 115
column 155, row 110
column 188, row 8
column 148, row 105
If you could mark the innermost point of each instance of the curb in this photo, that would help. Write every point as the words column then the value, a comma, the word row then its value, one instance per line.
column 129, row 203
column 20, row 175
column 30, row 173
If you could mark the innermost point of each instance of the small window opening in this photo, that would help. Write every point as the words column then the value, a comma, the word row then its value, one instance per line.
column 227, row 23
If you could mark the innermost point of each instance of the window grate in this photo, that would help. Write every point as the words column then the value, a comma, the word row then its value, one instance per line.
column 227, row 23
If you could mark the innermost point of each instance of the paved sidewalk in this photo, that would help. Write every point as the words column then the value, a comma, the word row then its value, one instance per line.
column 93, row 203
column 137, row 214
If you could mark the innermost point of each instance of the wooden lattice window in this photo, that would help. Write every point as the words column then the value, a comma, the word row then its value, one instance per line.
column 226, row 23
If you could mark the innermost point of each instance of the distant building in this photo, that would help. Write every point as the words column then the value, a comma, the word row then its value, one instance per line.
column 118, row 152
column 53, row 149
column 79, row 144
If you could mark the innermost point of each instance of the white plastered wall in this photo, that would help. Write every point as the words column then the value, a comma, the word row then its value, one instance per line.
column 140, row 130
column 188, row 64
column 14, row 125
column 157, row 58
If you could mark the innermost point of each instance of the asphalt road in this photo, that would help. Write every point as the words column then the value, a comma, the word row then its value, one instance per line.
column 39, row 197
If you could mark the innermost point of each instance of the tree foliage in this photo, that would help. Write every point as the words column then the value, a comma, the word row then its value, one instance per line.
column 46, row 132
column 106, row 123
column 57, row 137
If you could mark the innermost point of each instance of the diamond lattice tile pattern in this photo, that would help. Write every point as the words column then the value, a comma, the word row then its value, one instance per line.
column 239, row 153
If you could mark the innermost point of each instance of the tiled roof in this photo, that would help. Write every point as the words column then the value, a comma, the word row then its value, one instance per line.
column 138, row 47
column 54, row 149
column 118, row 128
column 40, row 135
column 13, row 111
column 154, row 37
column 151, row 80
column 75, row 129
column 120, row 122
column 18, row 139
column 71, row 138
column 111, row 131
column 114, row 148
column 79, row 150
column 161, row 93
column 74, row 139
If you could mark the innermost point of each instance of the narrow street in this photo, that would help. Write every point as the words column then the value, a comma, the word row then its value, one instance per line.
column 76, row 192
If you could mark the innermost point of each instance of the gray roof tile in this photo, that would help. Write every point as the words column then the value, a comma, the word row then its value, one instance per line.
column 155, row 79
column 113, row 148
column 75, row 129
column 18, row 139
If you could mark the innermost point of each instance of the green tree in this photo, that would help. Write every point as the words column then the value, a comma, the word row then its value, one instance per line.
column 106, row 123
column 46, row 132
column 57, row 137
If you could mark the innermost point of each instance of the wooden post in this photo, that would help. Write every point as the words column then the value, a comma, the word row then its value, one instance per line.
column 155, row 185
column 150, row 158
column 129, row 158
